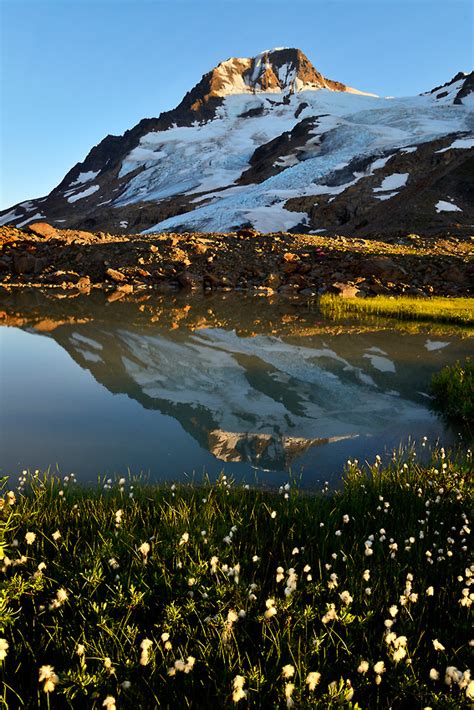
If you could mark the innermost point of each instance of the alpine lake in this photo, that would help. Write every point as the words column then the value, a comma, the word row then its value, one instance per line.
column 179, row 387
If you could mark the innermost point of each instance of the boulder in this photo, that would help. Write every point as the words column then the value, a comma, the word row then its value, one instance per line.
column 65, row 277
column 382, row 267
column 453, row 274
column 24, row 264
column 200, row 248
column 42, row 229
column 247, row 233
column 345, row 290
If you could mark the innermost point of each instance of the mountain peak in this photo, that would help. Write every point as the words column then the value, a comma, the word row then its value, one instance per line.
column 283, row 70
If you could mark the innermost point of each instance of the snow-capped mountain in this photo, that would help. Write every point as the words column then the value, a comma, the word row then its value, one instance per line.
column 269, row 142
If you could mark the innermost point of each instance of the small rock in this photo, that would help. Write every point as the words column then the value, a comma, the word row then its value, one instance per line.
column 116, row 275
column 273, row 280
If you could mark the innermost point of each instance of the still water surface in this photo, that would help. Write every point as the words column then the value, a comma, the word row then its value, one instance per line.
column 178, row 386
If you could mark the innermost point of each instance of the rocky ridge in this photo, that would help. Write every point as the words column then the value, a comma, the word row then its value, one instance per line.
column 267, row 264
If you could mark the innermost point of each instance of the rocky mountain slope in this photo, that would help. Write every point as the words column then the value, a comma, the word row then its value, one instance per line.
column 269, row 142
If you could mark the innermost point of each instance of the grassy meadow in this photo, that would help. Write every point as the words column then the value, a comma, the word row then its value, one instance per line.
column 458, row 311
column 132, row 595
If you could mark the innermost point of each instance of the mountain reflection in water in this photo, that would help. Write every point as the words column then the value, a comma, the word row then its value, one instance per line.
column 270, row 385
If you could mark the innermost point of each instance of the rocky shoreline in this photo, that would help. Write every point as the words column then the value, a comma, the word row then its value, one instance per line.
column 269, row 264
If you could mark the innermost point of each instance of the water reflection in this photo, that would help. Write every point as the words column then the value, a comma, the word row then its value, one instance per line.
column 253, row 382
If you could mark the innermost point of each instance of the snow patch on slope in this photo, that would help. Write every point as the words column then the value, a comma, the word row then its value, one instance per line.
column 443, row 206
column 392, row 182
column 85, row 193
column 84, row 177
column 460, row 143
column 38, row 215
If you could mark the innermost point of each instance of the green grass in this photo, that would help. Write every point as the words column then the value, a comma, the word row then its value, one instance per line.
column 453, row 390
column 211, row 580
column 445, row 310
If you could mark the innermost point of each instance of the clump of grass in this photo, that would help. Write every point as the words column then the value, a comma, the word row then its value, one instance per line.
column 445, row 310
column 453, row 390
column 220, row 595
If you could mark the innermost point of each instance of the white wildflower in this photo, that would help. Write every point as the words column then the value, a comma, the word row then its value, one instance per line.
column 3, row 649
column 288, row 671
column 30, row 537
column 49, row 677
column 238, row 692
column 312, row 680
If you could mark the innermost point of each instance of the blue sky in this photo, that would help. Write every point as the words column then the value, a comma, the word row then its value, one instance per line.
column 75, row 70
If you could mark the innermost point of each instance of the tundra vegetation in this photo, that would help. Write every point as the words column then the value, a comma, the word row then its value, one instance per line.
column 453, row 391
column 137, row 595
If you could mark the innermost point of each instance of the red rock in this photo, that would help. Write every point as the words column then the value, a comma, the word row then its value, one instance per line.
column 42, row 229
column 116, row 275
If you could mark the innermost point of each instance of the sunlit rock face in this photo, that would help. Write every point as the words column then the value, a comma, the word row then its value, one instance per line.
column 270, row 142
